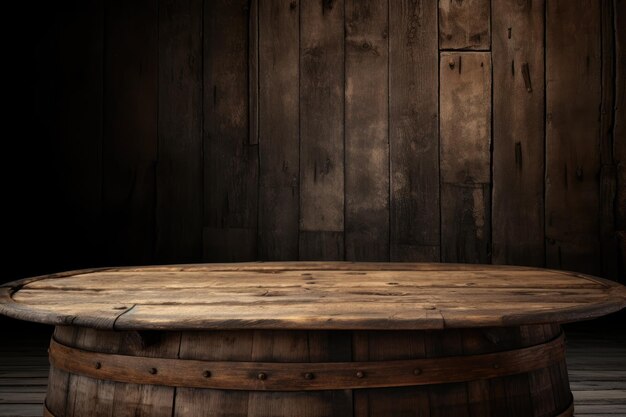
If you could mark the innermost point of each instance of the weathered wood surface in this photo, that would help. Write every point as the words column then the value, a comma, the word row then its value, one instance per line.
column 315, row 91
column 597, row 374
column 413, row 132
column 230, row 163
column 311, row 296
column 281, row 349
column 279, row 130
column 464, row 24
column 367, row 131
column 465, row 135
column 321, row 131
column 518, row 133
column 573, row 75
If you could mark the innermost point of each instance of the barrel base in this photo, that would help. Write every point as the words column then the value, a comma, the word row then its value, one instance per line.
column 519, row 371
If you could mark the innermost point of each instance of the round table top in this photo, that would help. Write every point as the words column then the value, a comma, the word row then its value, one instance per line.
column 310, row 295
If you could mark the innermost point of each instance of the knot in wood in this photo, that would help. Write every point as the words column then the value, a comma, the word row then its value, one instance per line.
column 98, row 365
column 206, row 374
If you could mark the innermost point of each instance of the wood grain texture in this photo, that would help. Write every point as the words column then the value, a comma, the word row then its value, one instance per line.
column 619, row 130
column 279, row 196
column 464, row 24
column 130, row 130
column 608, row 169
column 367, row 131
column 518, row 133
column 321, row 130
column 465, row 141
column 179, row 169
column 230, row 163
column 413, row 131
column 333, row 296
column 573, row 78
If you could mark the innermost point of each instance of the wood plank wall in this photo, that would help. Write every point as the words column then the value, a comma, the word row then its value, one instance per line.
column 409, row 130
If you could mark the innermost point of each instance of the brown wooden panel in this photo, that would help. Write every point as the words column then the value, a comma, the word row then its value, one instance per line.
column 325, row 246
column 253, row 71
column 573, row 68
column 608, row 170
column 321, row 127
column 465, row 136
column 373, row 346
column 179, row 170
column 278, row 129
column 464, row 24
column 213, row 346
column 58, row 380
column 518, row 132
column 77, row 75
column 413, row 131
column 366, row 135
column 230, row 163
column 130, row 130
column 619, row 132
column 301, row 346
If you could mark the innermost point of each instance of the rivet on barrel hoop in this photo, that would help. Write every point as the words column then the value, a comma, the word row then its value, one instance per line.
column 360, row 374
column 262, row 376
column 308, row 375
column 417, row 371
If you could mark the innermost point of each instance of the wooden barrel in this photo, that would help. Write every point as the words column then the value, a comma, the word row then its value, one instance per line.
column 491, row 371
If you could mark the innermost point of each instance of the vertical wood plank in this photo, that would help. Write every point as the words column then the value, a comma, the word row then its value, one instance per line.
column 230, row 163
column 253, row 71
column 446, row 400
column 413, row 131
column 465, row 136
column 179, row 170
column 130, row 130
column 464, row 24
column 366, row 135
column 132, row 400
column 289, row 346
column 619, row 129
column 77, row 114
column 279, row 129
column 572, row 135
column 88, row 396
column 518, row 132
column 389, row 402
column 218, row 345
column 608, row 170
column 321, row 130
column 58, row 380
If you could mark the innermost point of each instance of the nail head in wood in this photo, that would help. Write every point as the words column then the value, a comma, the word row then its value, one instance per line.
column 262, row 376
column 153, row 371
column 360, row 374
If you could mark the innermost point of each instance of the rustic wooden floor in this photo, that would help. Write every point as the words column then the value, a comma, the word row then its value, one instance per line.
column 596, row 360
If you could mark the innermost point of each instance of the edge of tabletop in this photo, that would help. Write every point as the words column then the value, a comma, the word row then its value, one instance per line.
column 615, row 301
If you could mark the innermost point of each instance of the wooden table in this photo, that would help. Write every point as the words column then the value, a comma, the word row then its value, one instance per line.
column 310, row 339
